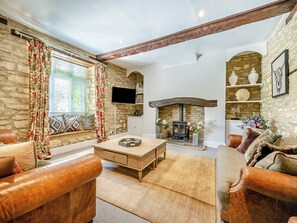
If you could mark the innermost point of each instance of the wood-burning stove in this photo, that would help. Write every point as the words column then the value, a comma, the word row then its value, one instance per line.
column 180, row 128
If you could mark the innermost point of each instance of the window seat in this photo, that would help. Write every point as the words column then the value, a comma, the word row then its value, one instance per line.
column 72, row 133
column 67, row 138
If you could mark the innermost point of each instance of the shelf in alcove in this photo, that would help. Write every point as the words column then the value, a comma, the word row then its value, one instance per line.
column 139, row 93
column 246, row 85
column 138, row 103
column 238, row 102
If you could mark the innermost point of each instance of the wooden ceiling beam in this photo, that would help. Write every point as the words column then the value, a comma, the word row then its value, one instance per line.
column 254, row 15
column 292, row 13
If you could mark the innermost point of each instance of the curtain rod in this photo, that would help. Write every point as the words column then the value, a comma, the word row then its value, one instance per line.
column 89, row 59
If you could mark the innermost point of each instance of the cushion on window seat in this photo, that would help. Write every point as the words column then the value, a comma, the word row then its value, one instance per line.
column 56, row 124
column 73, row 123
column 88, row 122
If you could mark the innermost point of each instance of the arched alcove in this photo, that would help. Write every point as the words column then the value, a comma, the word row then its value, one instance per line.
column 242, row 64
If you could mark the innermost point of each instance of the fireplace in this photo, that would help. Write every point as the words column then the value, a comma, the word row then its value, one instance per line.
column 180, row 111
column 180, row 130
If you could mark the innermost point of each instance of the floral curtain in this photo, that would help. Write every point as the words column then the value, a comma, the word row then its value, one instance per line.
column 100, row 102
column 39, row 56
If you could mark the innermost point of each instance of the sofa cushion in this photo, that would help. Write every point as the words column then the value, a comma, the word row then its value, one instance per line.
column 229, row 163
column 245, row 132
column 6, row 166
column 280, row 162
column 56, row 124
column 24, row 153
column 88, row 122
column 266, row 148
column 72, row 123
column 250, row 137
column 284, row 141
column 266, row 136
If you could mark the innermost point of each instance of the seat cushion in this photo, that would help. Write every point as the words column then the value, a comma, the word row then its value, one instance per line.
column 229, row 163
column 24, row 153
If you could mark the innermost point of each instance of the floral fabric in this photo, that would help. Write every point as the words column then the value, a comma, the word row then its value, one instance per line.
column 100, row 102
column 39, row 57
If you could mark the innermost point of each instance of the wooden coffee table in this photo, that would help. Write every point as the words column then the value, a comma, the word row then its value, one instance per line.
column 137, row 158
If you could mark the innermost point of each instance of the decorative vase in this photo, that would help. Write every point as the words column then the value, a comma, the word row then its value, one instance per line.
column 195, row 139
column 253, row 76
column 164, row 134
column 233, row 78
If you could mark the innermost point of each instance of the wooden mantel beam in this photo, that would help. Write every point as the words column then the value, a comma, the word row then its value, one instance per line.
column 184, row 101
column 254, row 15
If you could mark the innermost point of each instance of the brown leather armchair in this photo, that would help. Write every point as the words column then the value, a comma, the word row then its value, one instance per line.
column 260, row 195
column 57, row 193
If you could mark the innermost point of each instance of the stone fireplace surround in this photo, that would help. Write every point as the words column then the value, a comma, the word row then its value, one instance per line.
column 182, row 109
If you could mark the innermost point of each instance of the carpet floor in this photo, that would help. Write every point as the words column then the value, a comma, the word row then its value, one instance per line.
column 180, row 189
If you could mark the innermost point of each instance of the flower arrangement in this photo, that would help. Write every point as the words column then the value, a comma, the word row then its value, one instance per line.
column 197, row 126
column 255, row 121
column 162, row 123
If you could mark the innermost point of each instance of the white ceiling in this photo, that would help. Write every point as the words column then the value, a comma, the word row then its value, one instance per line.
column 100, row 26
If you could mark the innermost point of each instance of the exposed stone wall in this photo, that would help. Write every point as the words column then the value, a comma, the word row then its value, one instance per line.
column 191, row 114
column 282, row 110
column 117, row 113
column 14, row 86
column 242, row 66
column 63, row 140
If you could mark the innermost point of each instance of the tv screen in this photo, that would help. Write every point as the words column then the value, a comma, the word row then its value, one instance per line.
column 123, row 95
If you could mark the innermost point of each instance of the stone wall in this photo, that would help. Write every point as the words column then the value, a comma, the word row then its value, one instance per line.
column 14, row 86
column 281, row 111
column 191, row 114
column 116, row 113
column 242, row 66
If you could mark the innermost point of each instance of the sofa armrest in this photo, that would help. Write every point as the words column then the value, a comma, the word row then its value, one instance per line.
column 234, row 140
column 31, row 189
column 269, row 183
column 8, row 136
column 292, row 220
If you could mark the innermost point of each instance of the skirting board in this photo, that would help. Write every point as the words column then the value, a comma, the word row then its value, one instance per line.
column 79, row 145
column 213, row 144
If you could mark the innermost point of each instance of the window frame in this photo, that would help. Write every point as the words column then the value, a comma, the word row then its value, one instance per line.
column 70, row 70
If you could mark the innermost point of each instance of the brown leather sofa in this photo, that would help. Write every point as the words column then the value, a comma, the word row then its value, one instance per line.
column 60, row 193
column 253, row 194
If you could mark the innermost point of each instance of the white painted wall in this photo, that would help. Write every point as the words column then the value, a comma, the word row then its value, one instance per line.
column 202, row 79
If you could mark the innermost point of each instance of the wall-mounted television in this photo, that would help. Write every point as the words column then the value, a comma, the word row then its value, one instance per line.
column 123, row 95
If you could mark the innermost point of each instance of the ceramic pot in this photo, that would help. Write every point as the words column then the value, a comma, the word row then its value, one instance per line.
column 195, row 139
column 164, row 134
column 253, row 76
column 233, row 79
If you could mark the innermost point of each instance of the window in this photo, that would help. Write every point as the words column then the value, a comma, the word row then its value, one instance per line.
column 67, row 87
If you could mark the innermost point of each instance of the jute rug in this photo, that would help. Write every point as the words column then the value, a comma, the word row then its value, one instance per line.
column 180, row 189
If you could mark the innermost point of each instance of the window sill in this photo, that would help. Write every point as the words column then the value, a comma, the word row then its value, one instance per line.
column 72, row 133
